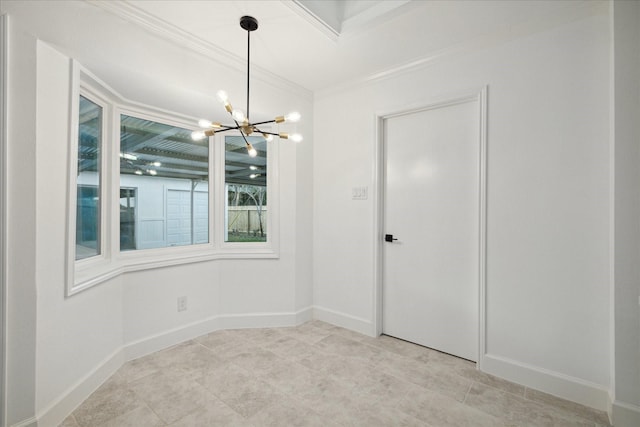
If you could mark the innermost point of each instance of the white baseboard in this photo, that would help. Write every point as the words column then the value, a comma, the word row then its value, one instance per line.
column 29, row 422
column 59, row 409
column 304, row 315
column 183, row 333
column 263, row 320
column 560, row 385
column 160, row 341
column 625, row 414
column 55, row 413
column 343, row 320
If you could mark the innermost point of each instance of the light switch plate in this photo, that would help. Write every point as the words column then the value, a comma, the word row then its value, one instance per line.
column 359, row 193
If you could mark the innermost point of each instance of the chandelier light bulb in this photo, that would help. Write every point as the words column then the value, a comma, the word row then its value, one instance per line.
column 293, row 117
column 156, row 164
column 254, row 175
column 252, row 151
column 222, row 97
column 295, row 137
column 138, row 172
column 197, row 135
column 253, row 168
column 238, row 115
column 152, row 172
column 203, row 123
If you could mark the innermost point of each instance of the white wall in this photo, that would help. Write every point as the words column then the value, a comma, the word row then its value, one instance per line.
column 61, row 348
column 548, row 189
column 21, row 227
column 626, row 204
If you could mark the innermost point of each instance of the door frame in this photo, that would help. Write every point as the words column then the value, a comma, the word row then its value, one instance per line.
column 379, row 168
column 4, row 66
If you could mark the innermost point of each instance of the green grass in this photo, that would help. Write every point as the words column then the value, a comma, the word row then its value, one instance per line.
column 246, row 238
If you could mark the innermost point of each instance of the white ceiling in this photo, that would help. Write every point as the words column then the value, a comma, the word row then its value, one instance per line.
column 340, row 41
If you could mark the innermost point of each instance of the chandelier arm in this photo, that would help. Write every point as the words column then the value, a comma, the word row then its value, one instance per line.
column 241, row 132
column 263, row 123
column 266, row 133
column 226, row 128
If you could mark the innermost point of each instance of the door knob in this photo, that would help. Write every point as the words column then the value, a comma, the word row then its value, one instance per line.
column 389, row 238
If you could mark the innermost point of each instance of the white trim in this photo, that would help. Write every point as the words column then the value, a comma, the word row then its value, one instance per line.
column 4, row 69
column 320, row 24
column 612, row 210
column 624, row 414
column 166, row 339
column 570, row 12
column 29, row 422
column 193, row 330
column 76, row 270
column 482, row 226
column 272, row 245
column 560, row 385
column 479, row 96
column 344, row 320
column 59, row 409
column 377, row 196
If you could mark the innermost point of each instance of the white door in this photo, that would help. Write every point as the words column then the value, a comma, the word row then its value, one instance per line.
column 431, row 206
column 179, row 217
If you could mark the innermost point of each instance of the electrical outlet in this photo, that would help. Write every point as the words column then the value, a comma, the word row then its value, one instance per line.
column 182, row 303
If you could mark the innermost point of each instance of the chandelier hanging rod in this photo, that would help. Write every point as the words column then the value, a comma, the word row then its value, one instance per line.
column 242, row 121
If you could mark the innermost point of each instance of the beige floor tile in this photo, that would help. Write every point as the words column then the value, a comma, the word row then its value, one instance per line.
column 516, row 409
column 290, row 348
column 240, row 390
column 433, row 377
column 599, row 417
column 379, row 387
column 257, row 360
column 258, row 336
column 214, row 414
column 307, row 333
column 102, row 406
column 341, row 346
column 181, row 401
column 287, row 412
column 384, row 415
column 140, row 416
column 438, row 410
column 70, row 421
column 311, row 375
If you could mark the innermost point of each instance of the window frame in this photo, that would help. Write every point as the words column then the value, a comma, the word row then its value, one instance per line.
column 149, row 255
column 80, row 273
column 111, row 262
column 271, row 246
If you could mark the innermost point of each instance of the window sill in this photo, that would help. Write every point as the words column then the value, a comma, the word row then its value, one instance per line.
column 158, row 258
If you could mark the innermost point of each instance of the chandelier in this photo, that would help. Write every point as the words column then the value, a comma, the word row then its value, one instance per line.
column 241, row 121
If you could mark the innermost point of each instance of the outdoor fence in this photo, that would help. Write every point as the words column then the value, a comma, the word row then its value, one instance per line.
column 245, row 220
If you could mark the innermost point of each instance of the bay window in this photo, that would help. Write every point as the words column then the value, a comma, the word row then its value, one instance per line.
column 143, row 193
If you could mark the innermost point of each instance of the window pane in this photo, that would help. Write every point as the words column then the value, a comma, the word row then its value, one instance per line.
column 246, row 190
column 88, row 180
column 164, row 186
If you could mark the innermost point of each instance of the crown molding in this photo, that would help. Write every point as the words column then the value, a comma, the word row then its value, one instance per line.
column 313, row 19
column 572, row 12
column 177, row 35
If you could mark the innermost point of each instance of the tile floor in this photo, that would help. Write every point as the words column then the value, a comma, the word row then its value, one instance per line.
column 315, row 374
